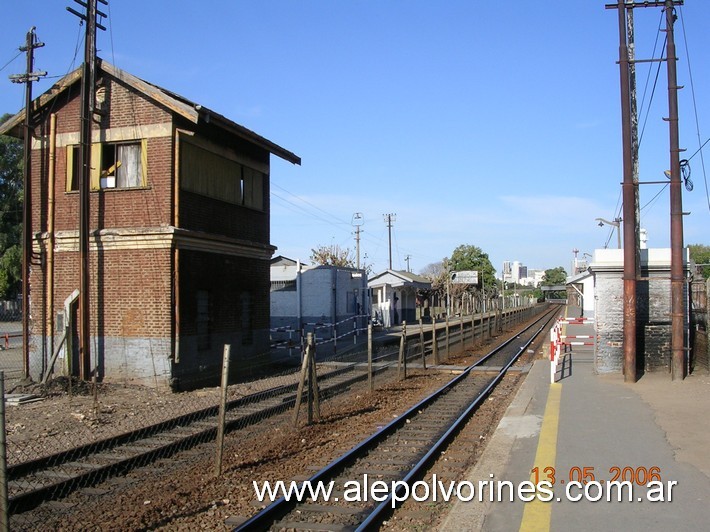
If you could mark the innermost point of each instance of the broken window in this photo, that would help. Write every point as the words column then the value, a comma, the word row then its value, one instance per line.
column 113, row 165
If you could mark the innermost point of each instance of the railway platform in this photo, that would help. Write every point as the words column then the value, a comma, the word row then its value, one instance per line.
column 595, row 429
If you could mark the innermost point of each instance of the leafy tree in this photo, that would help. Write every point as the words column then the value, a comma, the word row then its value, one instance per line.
column 554, row 276
column 467, row 257
column 700, row 254
column 333, row 255
column 10, row 215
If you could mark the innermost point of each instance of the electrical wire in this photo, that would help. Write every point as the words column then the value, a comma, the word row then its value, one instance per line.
column 10, row 61
column 648, row 77
column 110, row 32
column 695, row 109
column 338, row 220
column 654, row 197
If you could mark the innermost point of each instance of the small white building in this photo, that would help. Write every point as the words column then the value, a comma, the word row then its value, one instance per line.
column 580, row 289
column 302, row 295
column 396, row 296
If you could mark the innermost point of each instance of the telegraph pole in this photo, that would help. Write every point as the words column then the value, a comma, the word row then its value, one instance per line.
column 630, row 185
column 357, row 221
column 87, row 112
column 406, row 259
column 677, row 307
column 27, row 78
column 389, row 219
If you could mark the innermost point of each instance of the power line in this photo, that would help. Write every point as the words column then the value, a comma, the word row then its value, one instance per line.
column 695, row 109
column 10, row 61
column 299, row 198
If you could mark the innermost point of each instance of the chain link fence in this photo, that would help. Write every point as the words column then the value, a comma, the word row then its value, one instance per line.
column 11, row 341
column 68, row 441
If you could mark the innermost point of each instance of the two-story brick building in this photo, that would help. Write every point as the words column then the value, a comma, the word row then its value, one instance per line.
column 179, row 232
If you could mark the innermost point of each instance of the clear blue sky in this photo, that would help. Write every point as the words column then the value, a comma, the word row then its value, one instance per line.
column 495, row 124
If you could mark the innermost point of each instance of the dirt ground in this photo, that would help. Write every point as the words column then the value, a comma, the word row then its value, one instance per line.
column 182, row 493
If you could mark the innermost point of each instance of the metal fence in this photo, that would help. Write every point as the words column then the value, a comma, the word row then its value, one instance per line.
column 11, row 341
column 67, row 441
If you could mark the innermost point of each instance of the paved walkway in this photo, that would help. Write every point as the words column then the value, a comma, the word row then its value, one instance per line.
column 653, row 427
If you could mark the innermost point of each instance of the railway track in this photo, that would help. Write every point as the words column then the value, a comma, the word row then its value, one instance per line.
column 399, row 453
column 55, row 476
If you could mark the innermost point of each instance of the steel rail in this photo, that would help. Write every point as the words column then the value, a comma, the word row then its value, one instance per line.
column 280, row 507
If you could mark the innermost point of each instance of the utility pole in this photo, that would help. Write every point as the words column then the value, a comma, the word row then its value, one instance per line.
column 634, row 135
column 406, row 259
column 357, row 221
column 27, row 78
column 629, row 186
column 87, row 113
column 389, row 219
column 677, row 307
column 628, row 192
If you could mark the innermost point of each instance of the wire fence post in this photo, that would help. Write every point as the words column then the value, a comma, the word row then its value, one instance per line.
column 447, row 336
column 402, row 366
column 463, row 333
column 421, row 341
column 304, row 374
column 370, row 382
column 222, row 410
column 313, row 392
column 335, row 338
column 434, row 346
column 4, row 516
column 473, row 328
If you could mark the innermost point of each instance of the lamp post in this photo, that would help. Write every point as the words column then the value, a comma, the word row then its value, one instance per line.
column 616, row 223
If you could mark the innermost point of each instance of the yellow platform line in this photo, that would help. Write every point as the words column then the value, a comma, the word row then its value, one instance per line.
column 537, row 514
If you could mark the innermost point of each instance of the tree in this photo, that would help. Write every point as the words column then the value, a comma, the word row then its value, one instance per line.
column 333, row 255
column 10, row 215
column 467, row 257
column 700, row 254
column 554, row 276
column 437, row 274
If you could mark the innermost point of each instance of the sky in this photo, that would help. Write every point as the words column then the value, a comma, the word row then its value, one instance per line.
column 493, row 124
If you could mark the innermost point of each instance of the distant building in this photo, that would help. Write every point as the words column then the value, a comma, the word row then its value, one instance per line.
column 514, row 272
column 399, row 296
column 179, row 233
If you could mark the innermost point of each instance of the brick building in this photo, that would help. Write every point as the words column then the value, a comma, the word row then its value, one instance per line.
column 179, row 233
column 653, row 310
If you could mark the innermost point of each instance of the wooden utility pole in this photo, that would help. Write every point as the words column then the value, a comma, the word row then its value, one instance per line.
column 677, row 278
column 87, row 113
column 630, row 185
column 389, row 219
column 27, row 78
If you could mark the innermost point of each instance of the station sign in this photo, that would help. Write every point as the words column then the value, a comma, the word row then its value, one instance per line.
column 464, row 277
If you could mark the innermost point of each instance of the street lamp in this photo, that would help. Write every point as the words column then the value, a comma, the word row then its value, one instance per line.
column 616, row 223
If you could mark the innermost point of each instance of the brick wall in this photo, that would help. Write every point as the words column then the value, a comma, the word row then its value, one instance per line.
column 226, row 279
column 653, row 338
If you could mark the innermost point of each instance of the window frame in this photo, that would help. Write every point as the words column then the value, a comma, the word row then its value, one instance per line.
column 97, row 155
